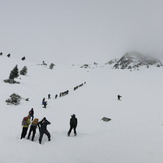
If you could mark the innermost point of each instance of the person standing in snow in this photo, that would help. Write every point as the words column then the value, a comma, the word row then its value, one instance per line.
column 33, row 128
column 43, row 100
column 119, row 97
column 44, row 103
column 49, row 96
column 31, row 114
column 73, row 125
column 56, row 96
column 25, row 124
column 43, row 129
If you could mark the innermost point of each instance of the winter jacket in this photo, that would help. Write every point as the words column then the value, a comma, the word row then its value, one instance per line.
column 73, row 121
column 26, row 122
column 31, row 112
column 35, row 122
column 43, row 125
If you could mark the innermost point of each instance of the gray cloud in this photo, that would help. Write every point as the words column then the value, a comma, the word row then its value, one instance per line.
column 80, row 30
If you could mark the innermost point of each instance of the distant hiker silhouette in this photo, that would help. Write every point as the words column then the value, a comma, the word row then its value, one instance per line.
column 31, row 114
column 119, row 97
column 8, row 55
column 43, row 129
column 33, row 128
column 45, row 104
column 73, row 125
column 43, row 100
column 43, row 63
column 49, row 96
column 56, row 96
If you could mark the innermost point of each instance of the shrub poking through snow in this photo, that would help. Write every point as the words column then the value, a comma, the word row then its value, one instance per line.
column 105, row 119
column 23, row 71
column 51, row 66
column 14, row 99
column 13, row 74
column 11, row 81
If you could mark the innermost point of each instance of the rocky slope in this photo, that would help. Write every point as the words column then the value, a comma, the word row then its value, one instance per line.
column 135, row 60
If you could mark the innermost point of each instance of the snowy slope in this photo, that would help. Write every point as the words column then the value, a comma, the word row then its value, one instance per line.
column 134, row 135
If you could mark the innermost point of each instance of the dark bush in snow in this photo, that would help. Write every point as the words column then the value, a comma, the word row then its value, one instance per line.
column 23, row 58
column 14, row 99
column 85, row 66
column 14, row 73
column 105, row 119
column 51, row 66
column 23, row 71
column 11, row 81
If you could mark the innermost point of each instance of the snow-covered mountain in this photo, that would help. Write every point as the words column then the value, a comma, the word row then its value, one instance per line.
column 133, row 135
column 134, row 60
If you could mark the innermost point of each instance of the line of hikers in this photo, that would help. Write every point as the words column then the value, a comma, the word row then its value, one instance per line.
column 42, row 125
column 45, row 103
column 65, row 92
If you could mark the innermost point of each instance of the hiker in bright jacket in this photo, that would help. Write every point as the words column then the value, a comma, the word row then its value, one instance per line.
column 25, row 124
column 33, row 128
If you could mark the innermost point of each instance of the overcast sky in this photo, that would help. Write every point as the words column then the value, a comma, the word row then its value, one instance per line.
column 77, row 31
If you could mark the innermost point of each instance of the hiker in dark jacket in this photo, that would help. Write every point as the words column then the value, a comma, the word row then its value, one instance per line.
column 56, row 96
column 43, row 100
column 43, row 129
column 33, row 128
column 73, row 125
column 31, row 114
column 119, row 97
column 49, row 96
column 45, row 104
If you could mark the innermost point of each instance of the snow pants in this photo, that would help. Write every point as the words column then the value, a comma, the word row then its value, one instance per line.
column 24, row 132
column 46, row 132
column 74, row 128
column 33, row 130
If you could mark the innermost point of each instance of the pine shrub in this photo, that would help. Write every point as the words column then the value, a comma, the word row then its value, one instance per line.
column 14, row 73
column 14, row 99
column 23, row 71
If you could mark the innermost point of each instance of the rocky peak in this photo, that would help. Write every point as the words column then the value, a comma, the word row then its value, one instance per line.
column 132, row 60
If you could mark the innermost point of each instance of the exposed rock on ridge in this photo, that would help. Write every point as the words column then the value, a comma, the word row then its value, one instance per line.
column 133, row 60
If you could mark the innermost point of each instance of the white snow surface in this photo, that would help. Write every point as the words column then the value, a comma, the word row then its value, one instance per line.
column 134, row 135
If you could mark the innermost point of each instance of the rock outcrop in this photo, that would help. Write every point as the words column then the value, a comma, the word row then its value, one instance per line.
column 134, row 60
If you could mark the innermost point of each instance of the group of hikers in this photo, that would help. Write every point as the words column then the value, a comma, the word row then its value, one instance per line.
column 42, row 125
column 44, row 102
